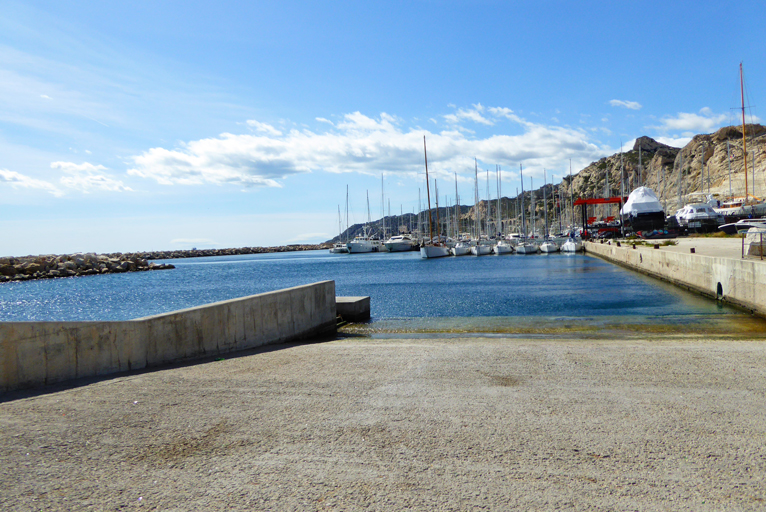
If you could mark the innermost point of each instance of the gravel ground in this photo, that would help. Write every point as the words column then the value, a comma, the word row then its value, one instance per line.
column 392, row 424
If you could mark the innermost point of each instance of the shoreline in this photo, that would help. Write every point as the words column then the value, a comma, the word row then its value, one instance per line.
column 50, row 266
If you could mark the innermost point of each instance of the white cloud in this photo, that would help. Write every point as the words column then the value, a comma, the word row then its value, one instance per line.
column 86, row 177
column 676, row 142
column 361, row 144
column 704, row 122
column 323, row 120
column 17, row 180
column 473, row 114
column 263, row 128
column 632, row 105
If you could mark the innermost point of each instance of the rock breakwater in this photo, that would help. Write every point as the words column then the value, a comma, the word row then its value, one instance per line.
column 25, row 268
column 70, row 265
column 199, row 253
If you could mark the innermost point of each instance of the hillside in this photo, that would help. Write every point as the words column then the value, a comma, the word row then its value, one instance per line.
column 672, row 173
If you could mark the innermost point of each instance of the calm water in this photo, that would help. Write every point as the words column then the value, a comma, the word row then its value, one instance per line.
column 520, row 293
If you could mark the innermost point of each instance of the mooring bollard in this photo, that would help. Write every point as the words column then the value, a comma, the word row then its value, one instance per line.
column 634, row 246
column 618, row 244
column 656, row 246
column 692, row 250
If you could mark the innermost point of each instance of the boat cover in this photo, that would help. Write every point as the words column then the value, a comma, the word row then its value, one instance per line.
column 641, row 201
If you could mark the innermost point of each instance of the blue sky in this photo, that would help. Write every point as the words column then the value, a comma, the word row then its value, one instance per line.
column 171, row 125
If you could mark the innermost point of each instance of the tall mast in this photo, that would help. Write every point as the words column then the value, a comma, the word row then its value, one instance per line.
column 622, row 192
column 369, row 219
column 383, row 206
column 346, row 213
column 476, row 197
column 545, row 206
column 487, row 215
column 532, row 205
column 438, row 227
column 457, row 211
column 499, row 217
column 744, row 139
column 428, row 193
column 571, row 193
column 523, row 220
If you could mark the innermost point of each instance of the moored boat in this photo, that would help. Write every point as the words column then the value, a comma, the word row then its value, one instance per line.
column 400, row 243
column 573, row 244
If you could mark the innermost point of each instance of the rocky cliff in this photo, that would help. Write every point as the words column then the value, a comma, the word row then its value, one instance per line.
column 674, row 174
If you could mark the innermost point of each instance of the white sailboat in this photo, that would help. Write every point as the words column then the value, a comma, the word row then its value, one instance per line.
column 482, row 247
column 431, row 249
column 340, row 247
column 524, row 246
column 548, row 245
column 573, row 244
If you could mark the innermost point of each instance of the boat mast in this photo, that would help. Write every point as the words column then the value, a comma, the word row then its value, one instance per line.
column 523, row 220
column 622, row 192
column 477, row 227
column 499, row 217
column 545, row 206
column 369, row 218
column 346, row 213
column 428, row 192
column 487, row 213
column 532, row 205
column 744, row 139
column 457, row 211
column 571, row 193
column 438, row 227
column 383, row 207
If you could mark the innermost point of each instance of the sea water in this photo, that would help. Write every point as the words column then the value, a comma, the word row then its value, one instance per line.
column 510, row 293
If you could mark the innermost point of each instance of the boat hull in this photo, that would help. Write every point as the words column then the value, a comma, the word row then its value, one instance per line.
column 571, row 246
column 461, row 250
column 526, row 249
column 481, row 250
column 398, row 246
column 503, row 249
column 434, row 251
column 549, row 247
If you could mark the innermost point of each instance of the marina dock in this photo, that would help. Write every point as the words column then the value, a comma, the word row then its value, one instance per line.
column 713, row 267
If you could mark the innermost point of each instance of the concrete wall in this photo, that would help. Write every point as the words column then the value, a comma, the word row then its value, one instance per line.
column 39, row 353
column 738, row 281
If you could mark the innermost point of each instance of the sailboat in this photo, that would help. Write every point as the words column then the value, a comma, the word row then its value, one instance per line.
column 524, row 246
column 341, row 247
column 548, row 245
column 482, row 246
column 431, row 249
column 502, row 246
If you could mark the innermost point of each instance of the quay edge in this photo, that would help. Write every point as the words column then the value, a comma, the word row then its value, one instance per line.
column 739, row 282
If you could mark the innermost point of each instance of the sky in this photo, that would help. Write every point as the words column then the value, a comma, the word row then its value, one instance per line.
column 137, row 126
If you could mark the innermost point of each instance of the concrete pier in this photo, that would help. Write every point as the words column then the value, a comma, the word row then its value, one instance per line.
column 353, row 309
column 41, row 353
column 715, row 268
